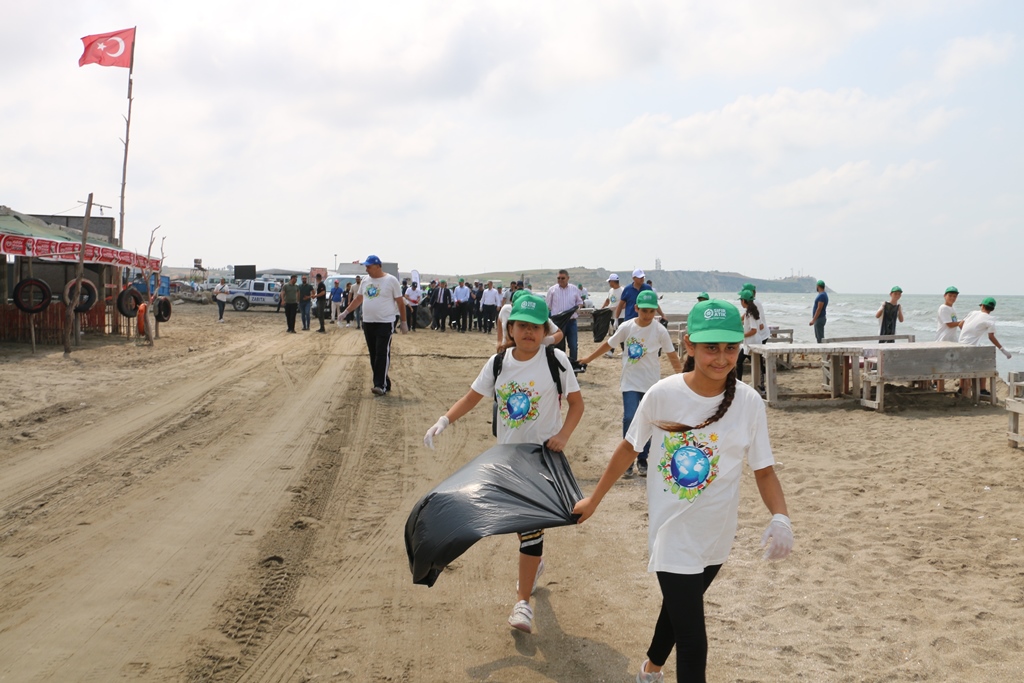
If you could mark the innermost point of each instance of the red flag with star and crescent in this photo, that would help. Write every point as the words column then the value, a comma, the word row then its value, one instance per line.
column 109, row 49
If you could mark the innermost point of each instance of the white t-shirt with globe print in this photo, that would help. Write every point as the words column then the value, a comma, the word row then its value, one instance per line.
column 693, row 484
column 379, row 294
column 641, row 366
column 613, row 297
column 528, row 409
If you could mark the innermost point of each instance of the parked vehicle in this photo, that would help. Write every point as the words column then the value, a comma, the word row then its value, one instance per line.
column 254, row 293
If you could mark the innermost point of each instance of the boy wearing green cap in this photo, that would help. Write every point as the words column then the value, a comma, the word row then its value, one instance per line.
column 949, row 325
column 890, row 311
column 529, row 412
column 979, row 324
column 643, row 341
column 693, row 501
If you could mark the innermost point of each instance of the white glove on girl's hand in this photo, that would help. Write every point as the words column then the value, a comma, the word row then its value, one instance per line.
column 1005, row 352
column 780, row 535
column 428, row 438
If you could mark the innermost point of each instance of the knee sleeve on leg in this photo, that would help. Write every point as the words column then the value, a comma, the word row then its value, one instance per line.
column 532, row 543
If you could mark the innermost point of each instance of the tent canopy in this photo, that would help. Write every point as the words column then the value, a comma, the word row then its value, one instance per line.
column 24, row 235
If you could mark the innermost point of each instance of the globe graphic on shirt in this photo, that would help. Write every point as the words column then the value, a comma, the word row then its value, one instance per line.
column 690, row 466
column 635, row 351
column 518, row 405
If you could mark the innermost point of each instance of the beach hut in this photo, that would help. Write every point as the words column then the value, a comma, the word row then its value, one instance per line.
column 47, row 255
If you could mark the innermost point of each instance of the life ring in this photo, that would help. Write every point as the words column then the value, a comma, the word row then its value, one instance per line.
column 128, row 302
column 142, row 318
column 163, row 309
column 86, row 298
column 27, row 299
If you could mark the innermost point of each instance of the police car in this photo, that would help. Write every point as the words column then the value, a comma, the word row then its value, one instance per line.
column 254, row 293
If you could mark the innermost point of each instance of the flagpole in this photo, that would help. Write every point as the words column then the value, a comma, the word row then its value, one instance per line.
column 127, row 128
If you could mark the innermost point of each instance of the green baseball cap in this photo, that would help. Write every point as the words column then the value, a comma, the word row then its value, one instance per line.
column 714, row 321
column 952, row 290
column 750, row 286
column 820, row 283
column 703, row 296
column 989, row 302
column 517, row 294
column 531, row 309
column 746, row 295
column 895, row 289
column 462, row 279
column 647, row 299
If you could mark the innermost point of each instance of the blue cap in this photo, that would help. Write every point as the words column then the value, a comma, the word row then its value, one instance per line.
column 371, row 260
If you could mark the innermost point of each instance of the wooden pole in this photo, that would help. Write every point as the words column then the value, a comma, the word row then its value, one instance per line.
column 31, row 317
column 76, row 291
column 127, row 130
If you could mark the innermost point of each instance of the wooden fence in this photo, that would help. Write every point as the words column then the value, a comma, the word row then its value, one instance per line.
column 49, row 325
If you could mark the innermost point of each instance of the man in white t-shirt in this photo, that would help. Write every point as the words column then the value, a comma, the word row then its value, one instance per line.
column 380, row 295
column 977, row 326
column 413, row 295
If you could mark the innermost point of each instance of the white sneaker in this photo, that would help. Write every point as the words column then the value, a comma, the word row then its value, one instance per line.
column 540, row 570
column 610, row 354
column 645, row 677
column 522, row 617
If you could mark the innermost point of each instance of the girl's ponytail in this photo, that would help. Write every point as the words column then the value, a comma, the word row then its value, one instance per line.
column 723, row 407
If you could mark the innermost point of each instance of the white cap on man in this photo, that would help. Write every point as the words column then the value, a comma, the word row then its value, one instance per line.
column 639, row 272
column 613, row 278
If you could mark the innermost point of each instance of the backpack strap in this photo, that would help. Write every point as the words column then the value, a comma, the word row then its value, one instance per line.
column 499, row 359
column 555, row 368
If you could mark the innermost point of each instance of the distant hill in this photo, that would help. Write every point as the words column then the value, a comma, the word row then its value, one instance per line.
column 596, row 280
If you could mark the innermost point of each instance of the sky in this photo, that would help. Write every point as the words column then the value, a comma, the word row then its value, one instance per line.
column 868, row 143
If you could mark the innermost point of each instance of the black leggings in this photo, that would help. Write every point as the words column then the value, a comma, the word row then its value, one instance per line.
column 681, row 624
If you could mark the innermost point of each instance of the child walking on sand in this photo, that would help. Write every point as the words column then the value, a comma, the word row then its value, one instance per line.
column 694, row 498
column 529, row 412
column 641, row 368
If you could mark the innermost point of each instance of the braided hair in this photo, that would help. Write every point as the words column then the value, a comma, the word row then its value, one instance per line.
column 723, row 407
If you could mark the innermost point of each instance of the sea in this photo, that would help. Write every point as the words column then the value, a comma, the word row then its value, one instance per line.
column 853, row 315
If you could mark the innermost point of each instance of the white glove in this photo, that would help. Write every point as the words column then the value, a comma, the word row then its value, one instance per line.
column 1005, row 352
column 404, row 327
column 780, row 535
column 439, row 426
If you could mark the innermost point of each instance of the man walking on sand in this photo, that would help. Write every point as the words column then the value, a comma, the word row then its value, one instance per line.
column 561, row 297
column 321, row 301
column 380, row 295
column 290, row 298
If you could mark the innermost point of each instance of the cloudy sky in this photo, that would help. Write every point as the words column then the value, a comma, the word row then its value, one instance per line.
column 865, row 142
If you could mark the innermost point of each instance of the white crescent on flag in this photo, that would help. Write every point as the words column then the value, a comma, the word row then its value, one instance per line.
column 120, row 47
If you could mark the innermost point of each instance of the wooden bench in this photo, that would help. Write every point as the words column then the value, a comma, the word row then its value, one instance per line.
column 764, row 358
column 1014, row 407
column 781, row 336
column 927, row 361
column 871, row 338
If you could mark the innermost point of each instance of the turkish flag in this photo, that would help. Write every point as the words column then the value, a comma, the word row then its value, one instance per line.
column 109, row 49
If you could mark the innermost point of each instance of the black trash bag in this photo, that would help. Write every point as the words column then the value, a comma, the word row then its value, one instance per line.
column 423, row 316
column 510, row 488
column 602, row 322
column 561, row 319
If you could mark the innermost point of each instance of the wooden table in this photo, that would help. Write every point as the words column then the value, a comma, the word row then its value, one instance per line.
column 763, row 360
column 925, row 361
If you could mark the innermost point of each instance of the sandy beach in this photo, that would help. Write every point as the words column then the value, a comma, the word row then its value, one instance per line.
column 228, row 505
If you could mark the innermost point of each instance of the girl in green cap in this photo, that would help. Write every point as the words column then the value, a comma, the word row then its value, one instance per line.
column 529, row 412
column 693, row 497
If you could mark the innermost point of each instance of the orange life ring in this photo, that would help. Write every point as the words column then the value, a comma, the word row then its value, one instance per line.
column 142, row 318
